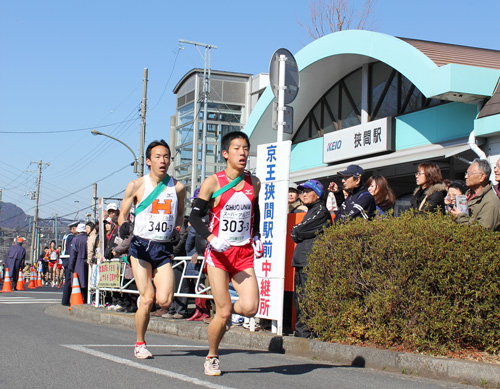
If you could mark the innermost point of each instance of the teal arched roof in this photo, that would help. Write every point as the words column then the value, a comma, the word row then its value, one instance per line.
column 429, row 78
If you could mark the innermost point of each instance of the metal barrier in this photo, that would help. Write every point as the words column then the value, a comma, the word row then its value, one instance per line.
column 201, row 291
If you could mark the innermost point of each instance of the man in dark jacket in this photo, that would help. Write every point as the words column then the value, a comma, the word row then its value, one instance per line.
column 15, row 260
column 304, row 234
column 66, row 248
column 78, row 258
column 359, row 202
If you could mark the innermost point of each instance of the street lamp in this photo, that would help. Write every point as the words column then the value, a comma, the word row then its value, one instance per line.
column 95, row 132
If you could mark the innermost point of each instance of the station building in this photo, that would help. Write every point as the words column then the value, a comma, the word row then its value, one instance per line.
column 231, row 98
column 387, row 104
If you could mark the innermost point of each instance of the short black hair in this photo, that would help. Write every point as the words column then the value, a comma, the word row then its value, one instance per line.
column 230, row 136
column 460, row 185
column 155, row 143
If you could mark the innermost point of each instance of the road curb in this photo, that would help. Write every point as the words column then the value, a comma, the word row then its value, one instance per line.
column 448, row 369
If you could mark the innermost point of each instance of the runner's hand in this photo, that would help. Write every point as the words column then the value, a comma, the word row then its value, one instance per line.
column 258, row 247
column 219, row 244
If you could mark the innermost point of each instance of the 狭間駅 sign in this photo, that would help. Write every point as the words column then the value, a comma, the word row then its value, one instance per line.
column 358, row 141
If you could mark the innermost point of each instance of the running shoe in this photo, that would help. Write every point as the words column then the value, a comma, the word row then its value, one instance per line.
column 212, row 367
column 141, row 352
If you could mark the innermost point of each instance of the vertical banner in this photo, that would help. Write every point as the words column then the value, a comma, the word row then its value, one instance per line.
column 273, row 170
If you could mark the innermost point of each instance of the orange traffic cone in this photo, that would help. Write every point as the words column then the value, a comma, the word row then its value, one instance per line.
column 32, row 284
column 20, row 281
column 39, row 281
column 76, row 292
column 7, row 285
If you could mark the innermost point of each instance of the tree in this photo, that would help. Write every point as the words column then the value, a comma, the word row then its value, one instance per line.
column 329, row 16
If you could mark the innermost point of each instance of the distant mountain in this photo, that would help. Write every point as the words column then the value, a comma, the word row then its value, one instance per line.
column 11, row 216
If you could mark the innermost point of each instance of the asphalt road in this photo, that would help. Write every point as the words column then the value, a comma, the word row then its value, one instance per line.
column 46, row 351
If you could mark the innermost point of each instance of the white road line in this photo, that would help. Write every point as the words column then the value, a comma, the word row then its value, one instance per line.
column 149, row 345
column 29, row 302
column 27, row 291
column 22, row 298
column 123, row 361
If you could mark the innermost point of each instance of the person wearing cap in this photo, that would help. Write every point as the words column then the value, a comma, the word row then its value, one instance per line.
column 66, row 248
column 113, row 212
column 294, row 203
column 304, row 234
column 15, row 260
column 359, row 202
column 78, row 258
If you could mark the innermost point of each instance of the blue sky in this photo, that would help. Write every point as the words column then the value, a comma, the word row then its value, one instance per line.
column 77, row 65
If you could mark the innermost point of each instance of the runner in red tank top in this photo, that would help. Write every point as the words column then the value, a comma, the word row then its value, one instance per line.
column 232, row 234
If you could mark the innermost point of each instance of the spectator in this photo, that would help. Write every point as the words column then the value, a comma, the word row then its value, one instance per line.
column 304, row 234
column 91, row 232
column 78, row 258
column 484, row 205
column 110, row 237
column 113, row 212
column 66, row 249
column 496, row 170
column 359, row 202
column 430, row 193
column 15, row 260
column 382, row 193
column 456, row 188
column 294, row 203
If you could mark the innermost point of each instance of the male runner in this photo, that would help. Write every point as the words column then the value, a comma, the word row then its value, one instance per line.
column 233, row 228
column 150, row 254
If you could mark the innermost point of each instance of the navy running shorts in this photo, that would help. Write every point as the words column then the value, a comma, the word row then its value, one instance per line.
column 155, row 253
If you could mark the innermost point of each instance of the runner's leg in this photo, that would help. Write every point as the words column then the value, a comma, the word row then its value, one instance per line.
column 245, row 283
column 219, row 281
column 143, row 275
column 163, row 278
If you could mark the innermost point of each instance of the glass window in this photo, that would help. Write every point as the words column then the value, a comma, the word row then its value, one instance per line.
column 184, row 135
column 351, row 100
column 184, row 154
column 390, row 94
column 185, row 114
column 331, row 103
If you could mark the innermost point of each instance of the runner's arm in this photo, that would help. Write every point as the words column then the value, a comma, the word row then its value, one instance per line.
column 256, row 218
column 127, row 202
column 201, row 204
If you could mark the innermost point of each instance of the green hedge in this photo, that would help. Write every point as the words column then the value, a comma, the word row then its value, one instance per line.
column 417, row 282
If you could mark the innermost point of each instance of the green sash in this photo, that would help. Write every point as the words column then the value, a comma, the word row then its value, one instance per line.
column 225, row 188
column 153, row 195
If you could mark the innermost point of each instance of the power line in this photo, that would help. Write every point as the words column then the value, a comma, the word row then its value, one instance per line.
column 61, row 131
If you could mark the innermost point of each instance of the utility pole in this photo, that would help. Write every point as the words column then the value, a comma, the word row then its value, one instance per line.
column 55, row 227
column 94, row 199
column 206, row 92
column 34, row 244
column 140, row 171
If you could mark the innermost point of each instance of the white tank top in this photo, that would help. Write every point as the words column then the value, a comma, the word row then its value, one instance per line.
column 157, row 221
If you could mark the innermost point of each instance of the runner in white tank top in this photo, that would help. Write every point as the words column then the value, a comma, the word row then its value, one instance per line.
column 150, row 252
column 157, row 221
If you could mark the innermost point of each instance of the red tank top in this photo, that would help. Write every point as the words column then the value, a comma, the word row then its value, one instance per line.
column 232, row 218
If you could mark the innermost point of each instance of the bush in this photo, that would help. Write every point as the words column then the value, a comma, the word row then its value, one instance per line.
column 416, row 282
